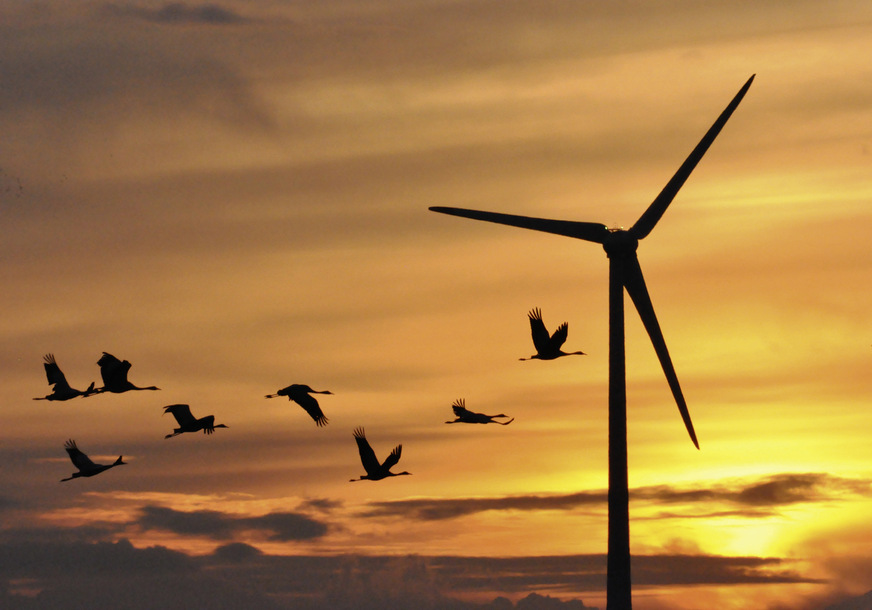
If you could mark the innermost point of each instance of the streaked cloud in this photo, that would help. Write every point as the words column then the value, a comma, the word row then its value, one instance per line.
column 178, row 13
column 759, row 498
column 221, row 526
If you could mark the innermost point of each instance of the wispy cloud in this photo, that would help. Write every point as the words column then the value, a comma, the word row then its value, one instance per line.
column 754, row 498
column 437, row 509
column 283, row 527
column 82, row 89
column 587, row 572
column 178, row 13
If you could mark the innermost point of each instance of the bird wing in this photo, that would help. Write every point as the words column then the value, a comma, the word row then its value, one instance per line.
column 541, row 339
column 208, row 423
column 79, row 459
column 311, row 406
column 112, row 369
column 54, row 374
column 367, row 455
column 393, row 458
column 459, row 407
column 460, row 411
column 182, row 413
column 559, row 336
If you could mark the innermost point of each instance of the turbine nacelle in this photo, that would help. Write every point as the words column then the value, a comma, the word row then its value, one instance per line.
column 618, row 242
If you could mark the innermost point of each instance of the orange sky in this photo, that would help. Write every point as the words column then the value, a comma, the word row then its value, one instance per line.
column 233, row 196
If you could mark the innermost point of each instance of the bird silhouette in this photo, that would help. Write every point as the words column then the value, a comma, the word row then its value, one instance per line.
column 374, row 470
column 547, row 346
column 61, row 390
column 114, row 374
column 300, row 394
column 86, row 467
column 189, row 423
column 468, row 417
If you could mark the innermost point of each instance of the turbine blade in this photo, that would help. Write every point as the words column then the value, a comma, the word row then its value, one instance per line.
column 588, row 231
column 638, row 291
column 650, row 217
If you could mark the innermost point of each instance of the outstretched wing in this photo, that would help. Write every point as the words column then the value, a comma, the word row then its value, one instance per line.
column 79, row 459
column 54, row 374
column 367, row 455
column 112, row 369
column 182, row 413
column 208, row 423
column 311, row 407
column 559, row 336
column 541, row 338
column 393, row 458
column 459, row 407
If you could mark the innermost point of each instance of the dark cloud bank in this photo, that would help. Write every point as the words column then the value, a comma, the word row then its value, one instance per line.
column 282, row 527
column 176, row 13
column 61, row 571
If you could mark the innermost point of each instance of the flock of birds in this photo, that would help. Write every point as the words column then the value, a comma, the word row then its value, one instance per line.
column 114, row 374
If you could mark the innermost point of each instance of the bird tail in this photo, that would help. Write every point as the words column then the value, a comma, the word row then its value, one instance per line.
column 119, row 461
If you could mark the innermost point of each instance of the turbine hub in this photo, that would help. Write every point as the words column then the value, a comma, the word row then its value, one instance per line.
column 619, row 242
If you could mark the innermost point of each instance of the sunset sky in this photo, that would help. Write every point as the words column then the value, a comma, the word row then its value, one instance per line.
column 234, row 197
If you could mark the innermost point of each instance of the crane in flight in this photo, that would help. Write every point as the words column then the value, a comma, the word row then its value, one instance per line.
column 465, row 416
column 114, row 374
column 301, row 394
column 547, row 346
column 374, row 470
column 189, row 423
column 61, row 390
column 86, row 467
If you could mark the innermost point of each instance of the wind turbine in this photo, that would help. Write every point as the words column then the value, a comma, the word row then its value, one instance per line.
column 624, row 273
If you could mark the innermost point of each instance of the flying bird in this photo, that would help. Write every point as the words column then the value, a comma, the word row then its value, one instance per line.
column 114, row 374
column 374, row 470
column 300, row 394
column 61, row 390
column 547, row 346
column 189, row 423
column 468, row 417
column 86, row 467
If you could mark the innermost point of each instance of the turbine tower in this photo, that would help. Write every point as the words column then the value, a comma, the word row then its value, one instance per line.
column 624, row 273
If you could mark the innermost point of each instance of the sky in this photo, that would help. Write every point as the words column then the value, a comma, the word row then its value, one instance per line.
column 234, row 197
